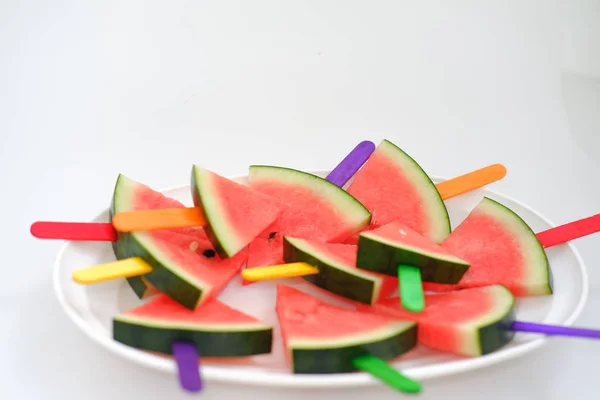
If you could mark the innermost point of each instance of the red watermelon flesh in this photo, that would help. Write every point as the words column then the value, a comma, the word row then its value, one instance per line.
column 235, row 214
column 502, row 250
column 320, row 337
column 213, row 312
column 394, row 187
column 312, row 208
column 469, row 322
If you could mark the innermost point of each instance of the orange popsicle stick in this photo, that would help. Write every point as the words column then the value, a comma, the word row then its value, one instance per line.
column 164, row 218
column 470, row 181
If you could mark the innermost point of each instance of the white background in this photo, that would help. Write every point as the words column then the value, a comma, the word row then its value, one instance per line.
column 91, row 89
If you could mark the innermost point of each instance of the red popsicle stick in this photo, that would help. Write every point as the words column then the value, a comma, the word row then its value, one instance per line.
column 100, row 231
column 571, row 231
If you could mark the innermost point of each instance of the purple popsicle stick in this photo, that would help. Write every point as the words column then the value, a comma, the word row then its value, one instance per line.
column 553, row 330
column 186, row 358
column 351, row 163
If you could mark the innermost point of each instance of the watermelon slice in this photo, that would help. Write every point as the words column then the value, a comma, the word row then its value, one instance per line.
column 313, row 208
column 337, row 270
column 383, row 249
column 135, row 196
column 394, row 187
column 235, row 214
column 324, row 339
column 185, row 265
column 216, row 329
column 502, row 250
column 470, row 322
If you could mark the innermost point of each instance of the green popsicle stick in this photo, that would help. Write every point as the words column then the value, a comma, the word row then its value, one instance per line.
column 385, row 373
column 411, row 288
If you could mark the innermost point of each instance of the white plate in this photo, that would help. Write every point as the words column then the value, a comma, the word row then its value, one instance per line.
column 92, row 308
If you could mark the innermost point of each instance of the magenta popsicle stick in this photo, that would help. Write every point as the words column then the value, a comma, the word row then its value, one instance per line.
column 187, row 358
column 555, row 330
column 351, row 163
column 571, row 231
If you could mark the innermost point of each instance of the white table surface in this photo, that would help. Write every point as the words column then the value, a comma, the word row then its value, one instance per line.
column 91, row 89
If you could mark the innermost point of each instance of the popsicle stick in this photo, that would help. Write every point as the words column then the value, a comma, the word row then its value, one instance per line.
column 163, row 218
column 186, row 358
column 471, row 181
column 97, row 231
column 279, row 271
column 386, row 374
column 411, row 288
column 341, row 174
column 567, row 232
column 555, row 330
column 125, row 268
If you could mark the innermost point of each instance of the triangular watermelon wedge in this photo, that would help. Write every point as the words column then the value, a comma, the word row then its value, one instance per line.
column 470, row 322
column 502, row 250
column 235, row 213
column 312, row 208
column 129, row 195
column 216, row 329
column 394, row 187
column 383, row 249
column 185, row 264
column 338, row 274
column 324, row 339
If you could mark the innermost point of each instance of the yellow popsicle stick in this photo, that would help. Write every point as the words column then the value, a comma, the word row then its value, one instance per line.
column 470, row 181
column 126, row 268
column 163, row 218
column 279, row 271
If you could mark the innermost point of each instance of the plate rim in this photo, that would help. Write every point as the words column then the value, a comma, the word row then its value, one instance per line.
column 288, row 380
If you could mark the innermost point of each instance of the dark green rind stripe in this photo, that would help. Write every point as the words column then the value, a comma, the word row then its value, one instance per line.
column 496, row 335
column 539, row 247
column 197, row 199
column 383, row 258
column 330, row 278
column 208, row 344
column 448, row 227
column 339, row 360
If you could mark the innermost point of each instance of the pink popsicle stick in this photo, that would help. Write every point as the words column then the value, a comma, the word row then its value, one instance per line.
column 98, row 231
column 571, row 231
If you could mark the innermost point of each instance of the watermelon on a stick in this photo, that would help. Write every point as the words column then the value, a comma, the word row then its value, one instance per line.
column 502, row 250
column 470, row 322
column 320, row 338
column 336, row 271
column 395, row 249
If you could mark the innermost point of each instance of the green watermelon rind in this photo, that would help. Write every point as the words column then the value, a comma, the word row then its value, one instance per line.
column 528, row 240
column 427, row 190
column 383, row 256
column 223, row 237
column 236, row 340
column 336, row 355
column 333, row 276
column 351, row 210
column 494, row 330
column 166, row 276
